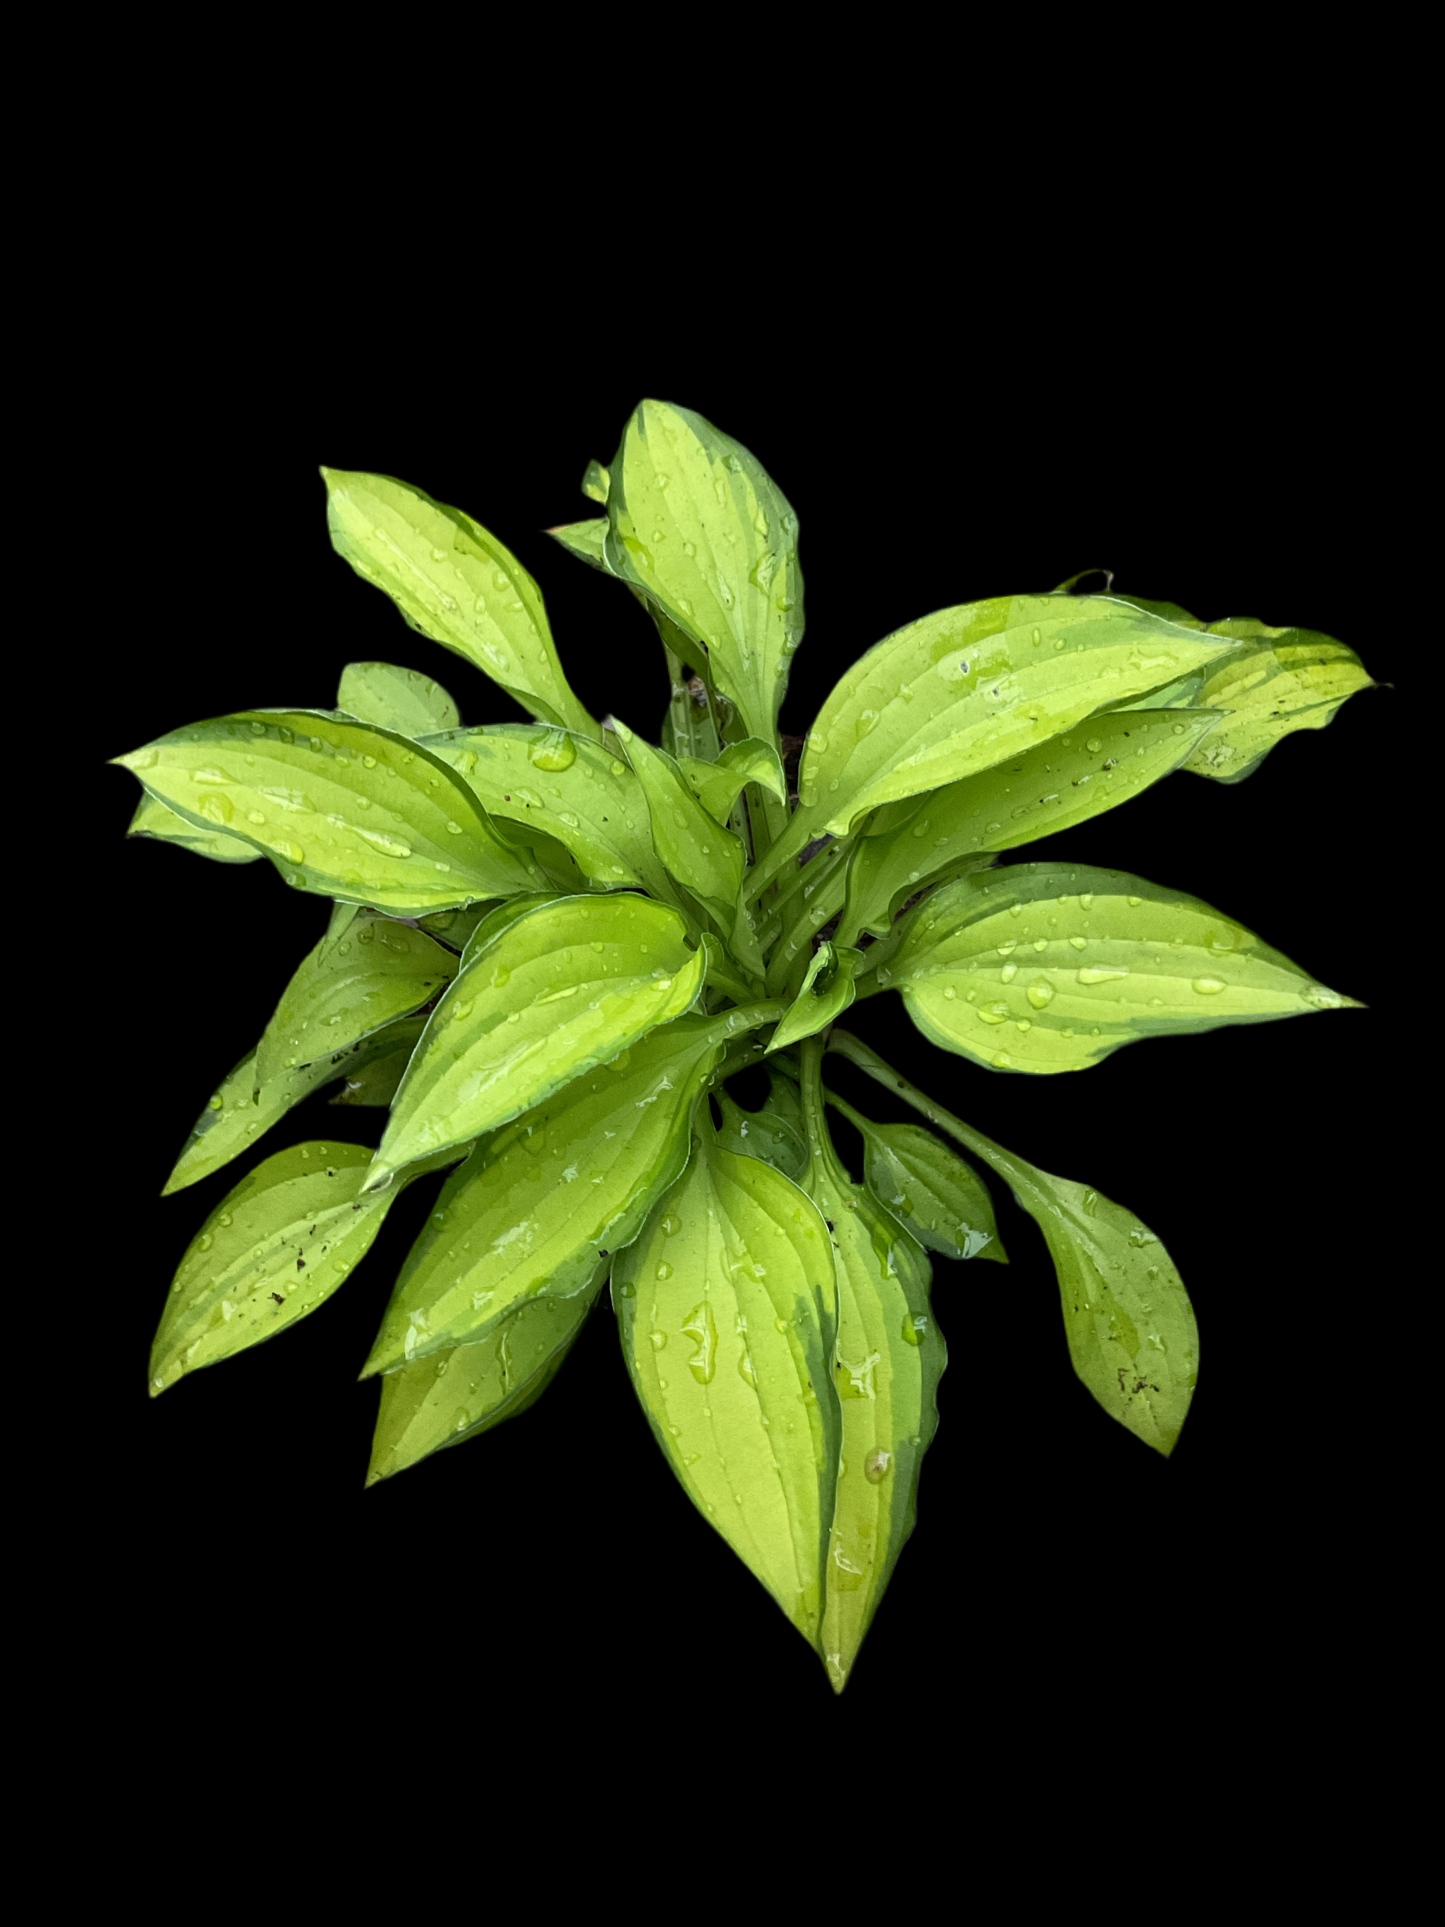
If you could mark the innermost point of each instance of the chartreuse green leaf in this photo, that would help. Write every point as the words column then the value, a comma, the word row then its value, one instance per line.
column 718, row 785
column 564, row 989
column 350, row 986
column 698, row 527
column 705, row 857
column 772, row 1133
column 827, row 990
column 926, row 1186
column 461, row 1393
column 455, row 582
column 596, row 482
column 723, row 1309
column 501, row 918
column 238, row 1114
column 584, row 540
column 1280, row 680
column 563, row 786
column 1090, row 769
column 888, row 1357
column 542, row 1200
column 273, row 1250
column 401, row 699
column 374, row 1076
column 1050, row 967
column 971, row 687
column 454, row 927
column 155, row 819
column 1130, row 1326
column 341, row 807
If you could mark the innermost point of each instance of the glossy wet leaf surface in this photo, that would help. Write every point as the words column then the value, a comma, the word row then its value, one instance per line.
column 773, row 1132
column 158, row 821
column 584, row 540
column 704, row 857
column 927, row 1187
column 719, row 783
column 401, row 699
column 273, row 1250
column 536, row 1205
column 455, row 582
column 827, row 990
column 1281, row 681
column 699, row 527
column 1049, row 967
column 373, row 973
column 563, row 989
column 722, row 1309
column 341, row 807
column 459, row 1394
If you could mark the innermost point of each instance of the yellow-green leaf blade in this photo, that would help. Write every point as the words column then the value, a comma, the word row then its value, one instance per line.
column 721, row 1310
column 704, row 857
column 1050, row 967
column 401, row 699
column 827, row 990
column 461, row 1393
column 274, row 1249
column 1281, row 680
column 584, row 540
column 927, row 1187
column 157, row 820
column 563, row 989
column 537, row 1205
column 342, row 808
column 455, row 582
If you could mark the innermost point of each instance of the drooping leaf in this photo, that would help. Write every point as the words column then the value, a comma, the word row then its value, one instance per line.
column 461, row 1393
column 342, row 808
column 718, row 785
column 155, row 819
column 721, row 1306
column 348, row 987
column 584, row 540
column 772, row 1133
column 698, row 527
column 887, row 1361
column 1050, row 967
column 539, row 1202
column 563, row 786
column 1051, row 787
column 705, row 857
column 455, row 582
column 968, row 688
column 238, row 1115
column 564, row 989
column 927, row 1187
column 1280, row 681
column 827, row 990
column 273, row 1250
column 401, row 699
column 502, row 918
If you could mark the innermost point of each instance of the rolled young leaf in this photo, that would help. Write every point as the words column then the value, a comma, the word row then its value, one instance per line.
column 401, row 699
column 704, row 857
column 1057, row 784
column 1130, row 1326
column 240, row 1113
column 539, row 1202
column 927, row 1187
column 721, row 1310
column 455, row 582
column 350, row 986
column 157, row 820
column 971, row 687
column 461, row 1393
column 718, row 785
column 342, row 808
column 273, row 1250
column 827, row 990
column 1050, row 967
column 697, row 525
column 563, row 989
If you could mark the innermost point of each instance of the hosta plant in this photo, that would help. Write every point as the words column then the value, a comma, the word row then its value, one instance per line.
column 551, row 944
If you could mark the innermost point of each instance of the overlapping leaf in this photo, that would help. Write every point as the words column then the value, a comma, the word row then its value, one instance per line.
column 927, row 1187
column 773, row 1132
column 704, row 857
column 455, row 582
column 826, row 992
column 401, row 699
column 157, row 820
column 1280, row 681
column 717, row 784
column 1050, row 967
column 341, row 807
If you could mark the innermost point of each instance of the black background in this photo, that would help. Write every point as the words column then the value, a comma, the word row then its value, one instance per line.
column 935, row 451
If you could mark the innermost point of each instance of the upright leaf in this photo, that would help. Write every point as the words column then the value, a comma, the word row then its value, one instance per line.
column 455, row 582
column 698, row 527
column 564, row 989
column 401, row 699
column 718, row 784
column 157, row 820
column 538, row 1204
column 461, row 1393
column 1050, row 967
column 704, row 857
column 273, row 1250
column 721, row 1308
column 971, row 687
column 349, row 987
column 342, row 808
column 826, row 992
